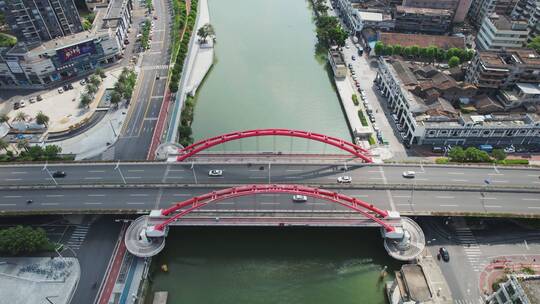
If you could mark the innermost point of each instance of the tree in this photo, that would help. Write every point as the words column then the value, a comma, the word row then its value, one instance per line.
column 431, row 52
column 4, row 118
column 498, row 154
column 457, row 154
column 51, row 152
column 19, row 239
column 100, row 72
column 415, row 50
column 453, row 61
column 4, row 145
column 115, row 97
column 379, row 48
column 475, row 155
column 85, row 100
column 408, row 51
column 535, row 43
column 22, row 144
column 205, row 31
column 42, row 119
column 21, row 116
column 91, row 89
column 95, row 80
column 398, row 50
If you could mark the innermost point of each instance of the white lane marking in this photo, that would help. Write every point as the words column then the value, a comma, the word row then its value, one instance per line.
column 135, row 170
column 178, row 177
column 176, row 170
column 456, row 173
column 11, row 196
column 316, row 204
column 360, row 195
column 12, row 179
column 96, row 177
column 294, row 170
column 257, row 177
column 532, row 175
column 139, row 194
column 448, row 205
column 96, row 171
column 530, row 199
column 54, row 195
column 404, row 204
column 495, row 174
column 292, row 177
column 266, row 194
column 402, row 196
column 374, row 171
column 93, row 203
column 134, row 203
column 133, row 177
column 181, row 194
column 96, row 194
column 264, row 203
column 224, row 203
column 499, row 181
column 460, row 180
column 421, row 179
column 492, row 206
column 445, row 197
column 490, row 198
column 255, row 170
column 18, row 172
column 7, row 204
column 50, row 204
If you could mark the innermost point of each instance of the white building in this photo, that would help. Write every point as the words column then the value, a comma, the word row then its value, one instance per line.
column 499, row 31
column 357, row 20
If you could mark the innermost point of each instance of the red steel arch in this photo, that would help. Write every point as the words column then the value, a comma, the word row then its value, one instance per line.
column 336, row 142
column 334, row 197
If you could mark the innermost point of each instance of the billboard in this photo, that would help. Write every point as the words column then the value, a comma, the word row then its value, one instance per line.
column 75, row 51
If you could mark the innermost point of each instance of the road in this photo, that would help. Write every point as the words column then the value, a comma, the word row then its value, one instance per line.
column 143, row 199
column 136, row 135
column 186, row 173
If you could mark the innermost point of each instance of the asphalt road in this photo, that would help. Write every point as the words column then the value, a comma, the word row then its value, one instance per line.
column 143, row 199
column 136, row 135
column 186, row 173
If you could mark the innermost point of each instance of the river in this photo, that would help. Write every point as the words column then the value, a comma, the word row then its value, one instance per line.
column 218, row 265
column 267, row 75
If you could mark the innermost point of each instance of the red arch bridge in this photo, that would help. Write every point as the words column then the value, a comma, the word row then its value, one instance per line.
column 403, row 238
column 205, row 144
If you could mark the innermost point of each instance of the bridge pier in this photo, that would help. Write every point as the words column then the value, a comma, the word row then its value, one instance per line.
column 142, row 241
column 406, row 242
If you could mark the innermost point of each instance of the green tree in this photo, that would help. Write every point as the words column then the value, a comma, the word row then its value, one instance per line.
column 388, row 50
column 115, row 97
column 431, row 52
column 51, row 152
column 184, row 131
column 415, row 50
column 85, row 100
column 422, row 53
column 4, row 118
column 205, row 31
column 453, row 61
column 498, row 154
column 42, row 119
column 408, row 51
column 22, row 144
column 21, row 116
column 457, row 154
column 4, row 145
column 535, row 43
column 91, row 89
column 398, row 50
column 379, row 48
column 100, row 72
column 23, row 240
column 95, row 80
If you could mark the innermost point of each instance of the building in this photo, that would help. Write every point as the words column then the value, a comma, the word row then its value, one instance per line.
column 462, row 10
column 482, row 8
column 405, row 40
column 357, row 20
column 521, row 94
column 37, row 21
column 410, row 286
column 423, row 20
column 529, row 10
column 523, row 289
column 459, row 8
column 338, row 63
column 62, row 59
column 499, row 31
column 491, row 71
column 424, row 100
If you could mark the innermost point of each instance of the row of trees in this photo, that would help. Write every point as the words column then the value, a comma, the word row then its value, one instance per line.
column 146, row 34
column 123, row 88
column 23, row 240
column 454, row 56
column 40, row 118
column 329, row 30
column 92, row 87
column 474, row 155
column 30, row 153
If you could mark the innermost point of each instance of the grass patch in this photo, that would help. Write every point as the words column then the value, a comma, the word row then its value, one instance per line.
column 362, row 117
column 513, row 162
column 145, row 34
column 371, row 140
column 7, row 40
column 355, row 99
column 442, row 160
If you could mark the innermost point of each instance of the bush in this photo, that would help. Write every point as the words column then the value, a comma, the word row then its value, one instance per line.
column 442, row 160
column 355, row 99
column 19, row 240
column 498, row 154
column 371, row 140
column 362, row 117
column 513, row 162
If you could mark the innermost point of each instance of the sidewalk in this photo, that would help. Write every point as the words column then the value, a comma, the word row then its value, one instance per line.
column 500, row 266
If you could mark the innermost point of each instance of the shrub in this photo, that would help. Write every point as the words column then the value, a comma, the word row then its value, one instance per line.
column 17, row 240
column 362, row 117
column 513, row 162
column 442, row 160
column 371, row 140
column 355, row 99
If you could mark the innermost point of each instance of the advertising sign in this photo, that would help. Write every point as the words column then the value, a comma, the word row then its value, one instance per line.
column 76, row 51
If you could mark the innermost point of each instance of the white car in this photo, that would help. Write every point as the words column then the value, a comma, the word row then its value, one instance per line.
column 409, row 174
column 22, row 104
column 60, row 90
column 299, row 198
column 344, row 179
column 215, row 173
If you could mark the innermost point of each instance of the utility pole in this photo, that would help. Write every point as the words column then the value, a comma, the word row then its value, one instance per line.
column 193, row 170
column 117, row 167
column 49, row 172
column 269, row 172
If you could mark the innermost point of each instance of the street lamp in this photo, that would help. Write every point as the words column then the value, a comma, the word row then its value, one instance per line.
column 193, row 170
column 117, row 167
column 49, row 172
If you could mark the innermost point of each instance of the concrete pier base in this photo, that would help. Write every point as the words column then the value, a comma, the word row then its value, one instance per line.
column 409, row 245
column 138, row 244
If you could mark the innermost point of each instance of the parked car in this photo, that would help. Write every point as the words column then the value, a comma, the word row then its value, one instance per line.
column 444, row 254
column 344, row 179
column 59, row 174
column 60, row 90
column 215, row 173
column 510, row 149
column 39, row 98
column 409, row 174
column 32, row 100
column 353, row 57
column 16, row 106
column 66, row 88
column 372, row 119
column 22, row 104
column 299, row 198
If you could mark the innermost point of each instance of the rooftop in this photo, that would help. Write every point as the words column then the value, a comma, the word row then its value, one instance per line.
column 337, row 57
column 416, row 283
column 510, row 57
column 529, row 88
column 531, row 287
column 370, row 16
column 504, row 23
column 422, row 10
column 405, row 40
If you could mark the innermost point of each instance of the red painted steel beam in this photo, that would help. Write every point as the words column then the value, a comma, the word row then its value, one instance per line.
column 219, row 195
column 334, row 141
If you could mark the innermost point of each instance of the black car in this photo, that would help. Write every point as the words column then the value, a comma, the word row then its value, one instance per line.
column 66, row 88
column 444, row 254
column 59, row 174
column 70, row 86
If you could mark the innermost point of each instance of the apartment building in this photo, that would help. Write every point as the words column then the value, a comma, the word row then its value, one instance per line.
column 37, row 21
column 494, row 70
column 423, row 20
column 459, row 8
column 480, row 9
column 357, row 20
column 529, row 10
column 517, row 289
column 499, row 31
column 423, row 98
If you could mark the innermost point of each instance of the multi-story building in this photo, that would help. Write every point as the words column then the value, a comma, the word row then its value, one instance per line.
column 499, row 31
column 337, row 63
column 55, row 61
column 434, row 4
column 517, row 289
column 37, row 21
column 357, row 20
column 530, row 11
column 424, row 20
column 521, row 94
column 491, row 71
column 422, row 99
column 480, row 9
